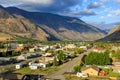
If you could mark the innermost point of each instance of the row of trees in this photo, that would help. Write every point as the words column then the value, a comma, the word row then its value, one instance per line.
column 95, row 58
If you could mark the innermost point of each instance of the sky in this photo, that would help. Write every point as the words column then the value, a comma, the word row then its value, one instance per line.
column 104, row 14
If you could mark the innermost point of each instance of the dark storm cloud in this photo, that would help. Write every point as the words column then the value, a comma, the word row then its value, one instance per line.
column 53, row 6
column 56, row 6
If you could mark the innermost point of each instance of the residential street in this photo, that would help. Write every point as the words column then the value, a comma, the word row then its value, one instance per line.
column 68, row 67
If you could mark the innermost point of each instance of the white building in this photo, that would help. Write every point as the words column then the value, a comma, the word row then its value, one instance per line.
column 22, row 57
column 44, row 48
column 70, row 46
column 43, row 64
column 49, row 54
column 18, row 66
column 30, row 63
column 31, row 49
column 34, row 66
column 83, row 47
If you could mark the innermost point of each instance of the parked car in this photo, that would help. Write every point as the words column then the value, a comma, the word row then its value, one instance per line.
column 81, row 75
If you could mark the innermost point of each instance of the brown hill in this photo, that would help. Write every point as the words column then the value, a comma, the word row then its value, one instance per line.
column 113, row 35
column 16, row 25
column 45, row 26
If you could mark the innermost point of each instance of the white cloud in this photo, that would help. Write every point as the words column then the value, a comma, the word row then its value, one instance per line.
column 45, row 2
column 118, row 1
column 102, row 17
column 109, row 15
column 104, row 0
column 104, row 25
column 95, row 5
column 116, row 12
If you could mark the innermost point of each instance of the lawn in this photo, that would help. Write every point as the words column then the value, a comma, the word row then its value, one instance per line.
column 71, row 77
column 113, row 74
column 6, row 69
column 44, row 71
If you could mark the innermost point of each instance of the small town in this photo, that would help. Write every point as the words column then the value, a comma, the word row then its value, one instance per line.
column 61, row 60
column 59, row 39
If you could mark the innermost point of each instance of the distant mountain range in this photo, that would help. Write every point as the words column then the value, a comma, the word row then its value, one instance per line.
column 45, row 26
column 113, row 35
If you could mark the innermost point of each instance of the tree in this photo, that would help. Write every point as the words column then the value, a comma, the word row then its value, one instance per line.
column 55, row 63
column 79, row 51
column 14, row 53
column 73, row 55
column 49, row 64
column 77, row 68
column 97, row 59
column 60, row 56
column 116, row 54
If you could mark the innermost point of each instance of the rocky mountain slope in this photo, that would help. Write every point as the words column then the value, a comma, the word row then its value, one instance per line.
column 16, row 25
column 113, row 35
column 45, row 26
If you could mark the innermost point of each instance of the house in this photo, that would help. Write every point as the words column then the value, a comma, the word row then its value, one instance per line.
column 14, row 45
column 115, row 48
column 116, row 67
column 70, row 46
column 18, row 66
column 32, row 49
column 49, row 54
column 46, row 59
column 20, row 47
column 22, row 57
column 44, row 48
column 43, row 64
column 30, row 63
column 34, row 66
column 83, row 47
column 116, row 64
column 90, row 70
column 99, row 50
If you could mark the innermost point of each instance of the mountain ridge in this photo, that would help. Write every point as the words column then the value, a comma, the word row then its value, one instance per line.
column 113, row 35
column 53, row 26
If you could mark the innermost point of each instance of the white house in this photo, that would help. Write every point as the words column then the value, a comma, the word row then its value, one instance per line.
column 71, row 46
column 30, row 63
column 34, row 66
column 44, row 48
column 43, row 64
column 18, row 66
column 83, row 47
column 49, row 54
column 22, row 57
column 46, row 59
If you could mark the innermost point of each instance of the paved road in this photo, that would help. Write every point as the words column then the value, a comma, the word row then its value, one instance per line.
column 68, row 67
